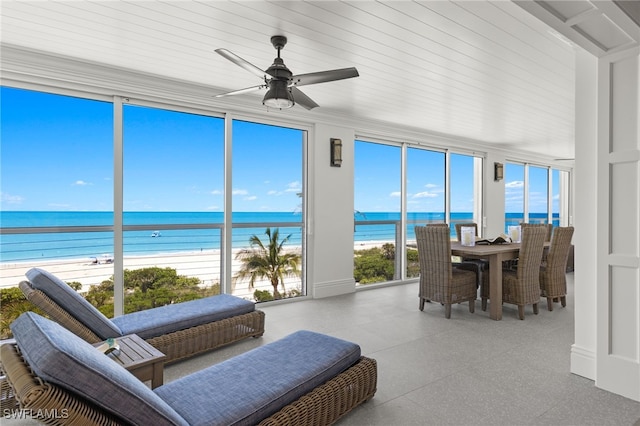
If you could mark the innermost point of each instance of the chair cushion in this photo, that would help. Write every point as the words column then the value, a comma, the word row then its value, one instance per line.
column 252, row 386
column 72, row 302
column 169, row 318
column 62, row 358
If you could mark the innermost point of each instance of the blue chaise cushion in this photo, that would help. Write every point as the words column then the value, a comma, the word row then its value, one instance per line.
column 179, row 316
column 73, row 303
column 249, row 387
column 62, row 358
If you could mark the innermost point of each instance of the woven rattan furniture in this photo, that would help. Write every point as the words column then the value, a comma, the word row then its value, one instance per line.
column 177, row 344
column 8, row 402
column 553, row 280
column 547, row 226
column 321, row 378
column 439, row 280
column 522, row 287
column 479, row 266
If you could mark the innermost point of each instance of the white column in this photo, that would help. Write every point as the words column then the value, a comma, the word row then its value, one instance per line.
column 583, row 350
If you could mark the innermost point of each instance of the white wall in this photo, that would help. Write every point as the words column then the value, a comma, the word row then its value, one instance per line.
column 331, row 224
column 494, row 197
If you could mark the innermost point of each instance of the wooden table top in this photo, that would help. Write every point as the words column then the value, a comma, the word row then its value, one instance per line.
column 457, row 249
column 135, row 352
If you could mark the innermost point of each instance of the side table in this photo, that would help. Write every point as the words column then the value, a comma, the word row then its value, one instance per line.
column 140, row 359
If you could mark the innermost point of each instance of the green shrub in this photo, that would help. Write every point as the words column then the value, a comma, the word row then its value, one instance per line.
column 262, row 296
column 373, row 265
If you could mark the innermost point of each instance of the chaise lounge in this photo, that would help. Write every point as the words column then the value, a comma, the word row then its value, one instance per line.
column 179, row 331
column 303, row 379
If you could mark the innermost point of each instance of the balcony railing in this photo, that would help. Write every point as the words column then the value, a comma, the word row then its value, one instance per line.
column 84, row 254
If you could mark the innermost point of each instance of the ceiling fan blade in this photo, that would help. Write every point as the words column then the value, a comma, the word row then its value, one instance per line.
column 240, row 91
column 243, row 63
column 323, row 76
column 302, row 99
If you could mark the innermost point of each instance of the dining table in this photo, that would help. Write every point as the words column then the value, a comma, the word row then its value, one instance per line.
column 495, row 254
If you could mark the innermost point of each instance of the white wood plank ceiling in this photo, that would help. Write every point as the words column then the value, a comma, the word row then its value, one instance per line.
column 483, row 71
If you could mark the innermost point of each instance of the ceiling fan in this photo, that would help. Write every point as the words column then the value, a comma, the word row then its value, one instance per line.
column 279, row 80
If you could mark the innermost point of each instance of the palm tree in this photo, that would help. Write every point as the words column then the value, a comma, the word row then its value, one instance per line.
column 270, row 261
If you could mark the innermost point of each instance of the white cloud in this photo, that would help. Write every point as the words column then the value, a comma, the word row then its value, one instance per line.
column 395, row 194
column 11, row 199
column 294, row 186
column 239, row 192
column 250, row 198
column 425, row 194
column 81, row 183
column 216, row 192
column 514, row 184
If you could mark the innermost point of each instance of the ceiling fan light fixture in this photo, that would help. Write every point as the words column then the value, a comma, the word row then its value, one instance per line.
column 278, row 95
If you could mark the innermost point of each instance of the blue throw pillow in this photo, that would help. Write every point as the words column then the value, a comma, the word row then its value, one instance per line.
column 62, row 358
column 73, row 303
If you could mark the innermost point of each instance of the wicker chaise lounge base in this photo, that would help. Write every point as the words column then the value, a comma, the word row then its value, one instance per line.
column 174, row 340
column 321, row 379
column 178, row 345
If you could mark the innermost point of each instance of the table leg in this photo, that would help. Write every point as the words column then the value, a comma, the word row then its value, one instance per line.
column 157, row 377
column 495, row 287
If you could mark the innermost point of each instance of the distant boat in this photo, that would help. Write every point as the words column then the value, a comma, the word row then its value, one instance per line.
column 156, row 234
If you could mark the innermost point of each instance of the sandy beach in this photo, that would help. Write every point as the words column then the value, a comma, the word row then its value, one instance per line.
column 202, row 264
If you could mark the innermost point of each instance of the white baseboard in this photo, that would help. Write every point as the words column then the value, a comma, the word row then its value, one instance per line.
column 333, row 288
column 583, row 362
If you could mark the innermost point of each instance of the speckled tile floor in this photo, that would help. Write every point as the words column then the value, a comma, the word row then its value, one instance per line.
column 468, row 370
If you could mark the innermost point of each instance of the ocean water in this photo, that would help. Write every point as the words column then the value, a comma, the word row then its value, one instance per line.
column 55, row 245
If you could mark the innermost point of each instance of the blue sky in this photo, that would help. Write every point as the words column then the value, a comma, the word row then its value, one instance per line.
column 57, row 154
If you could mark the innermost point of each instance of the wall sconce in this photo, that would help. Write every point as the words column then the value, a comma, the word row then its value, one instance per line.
column 498, row 171
column 336, row 152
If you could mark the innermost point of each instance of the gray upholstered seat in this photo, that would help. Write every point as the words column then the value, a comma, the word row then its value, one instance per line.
column 178, row 330
column 305, row 377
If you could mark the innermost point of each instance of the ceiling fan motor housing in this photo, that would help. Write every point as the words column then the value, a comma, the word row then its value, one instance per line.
column 279, row 70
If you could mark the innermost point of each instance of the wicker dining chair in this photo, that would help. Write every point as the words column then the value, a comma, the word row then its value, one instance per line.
column 553, row 271
column 522, row 287
column 479, row 266
column 439, row 280
column 513, row 263
column 547, row 226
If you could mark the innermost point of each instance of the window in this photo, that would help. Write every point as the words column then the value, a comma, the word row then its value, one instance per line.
column 465, row 173
column 377, row 207
column 268, row 211
column 545, row 190
column 514, row 194
column 173, row 180
column 381, row 225
column 538, row 211
column 426, row 196
column 56, row 170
